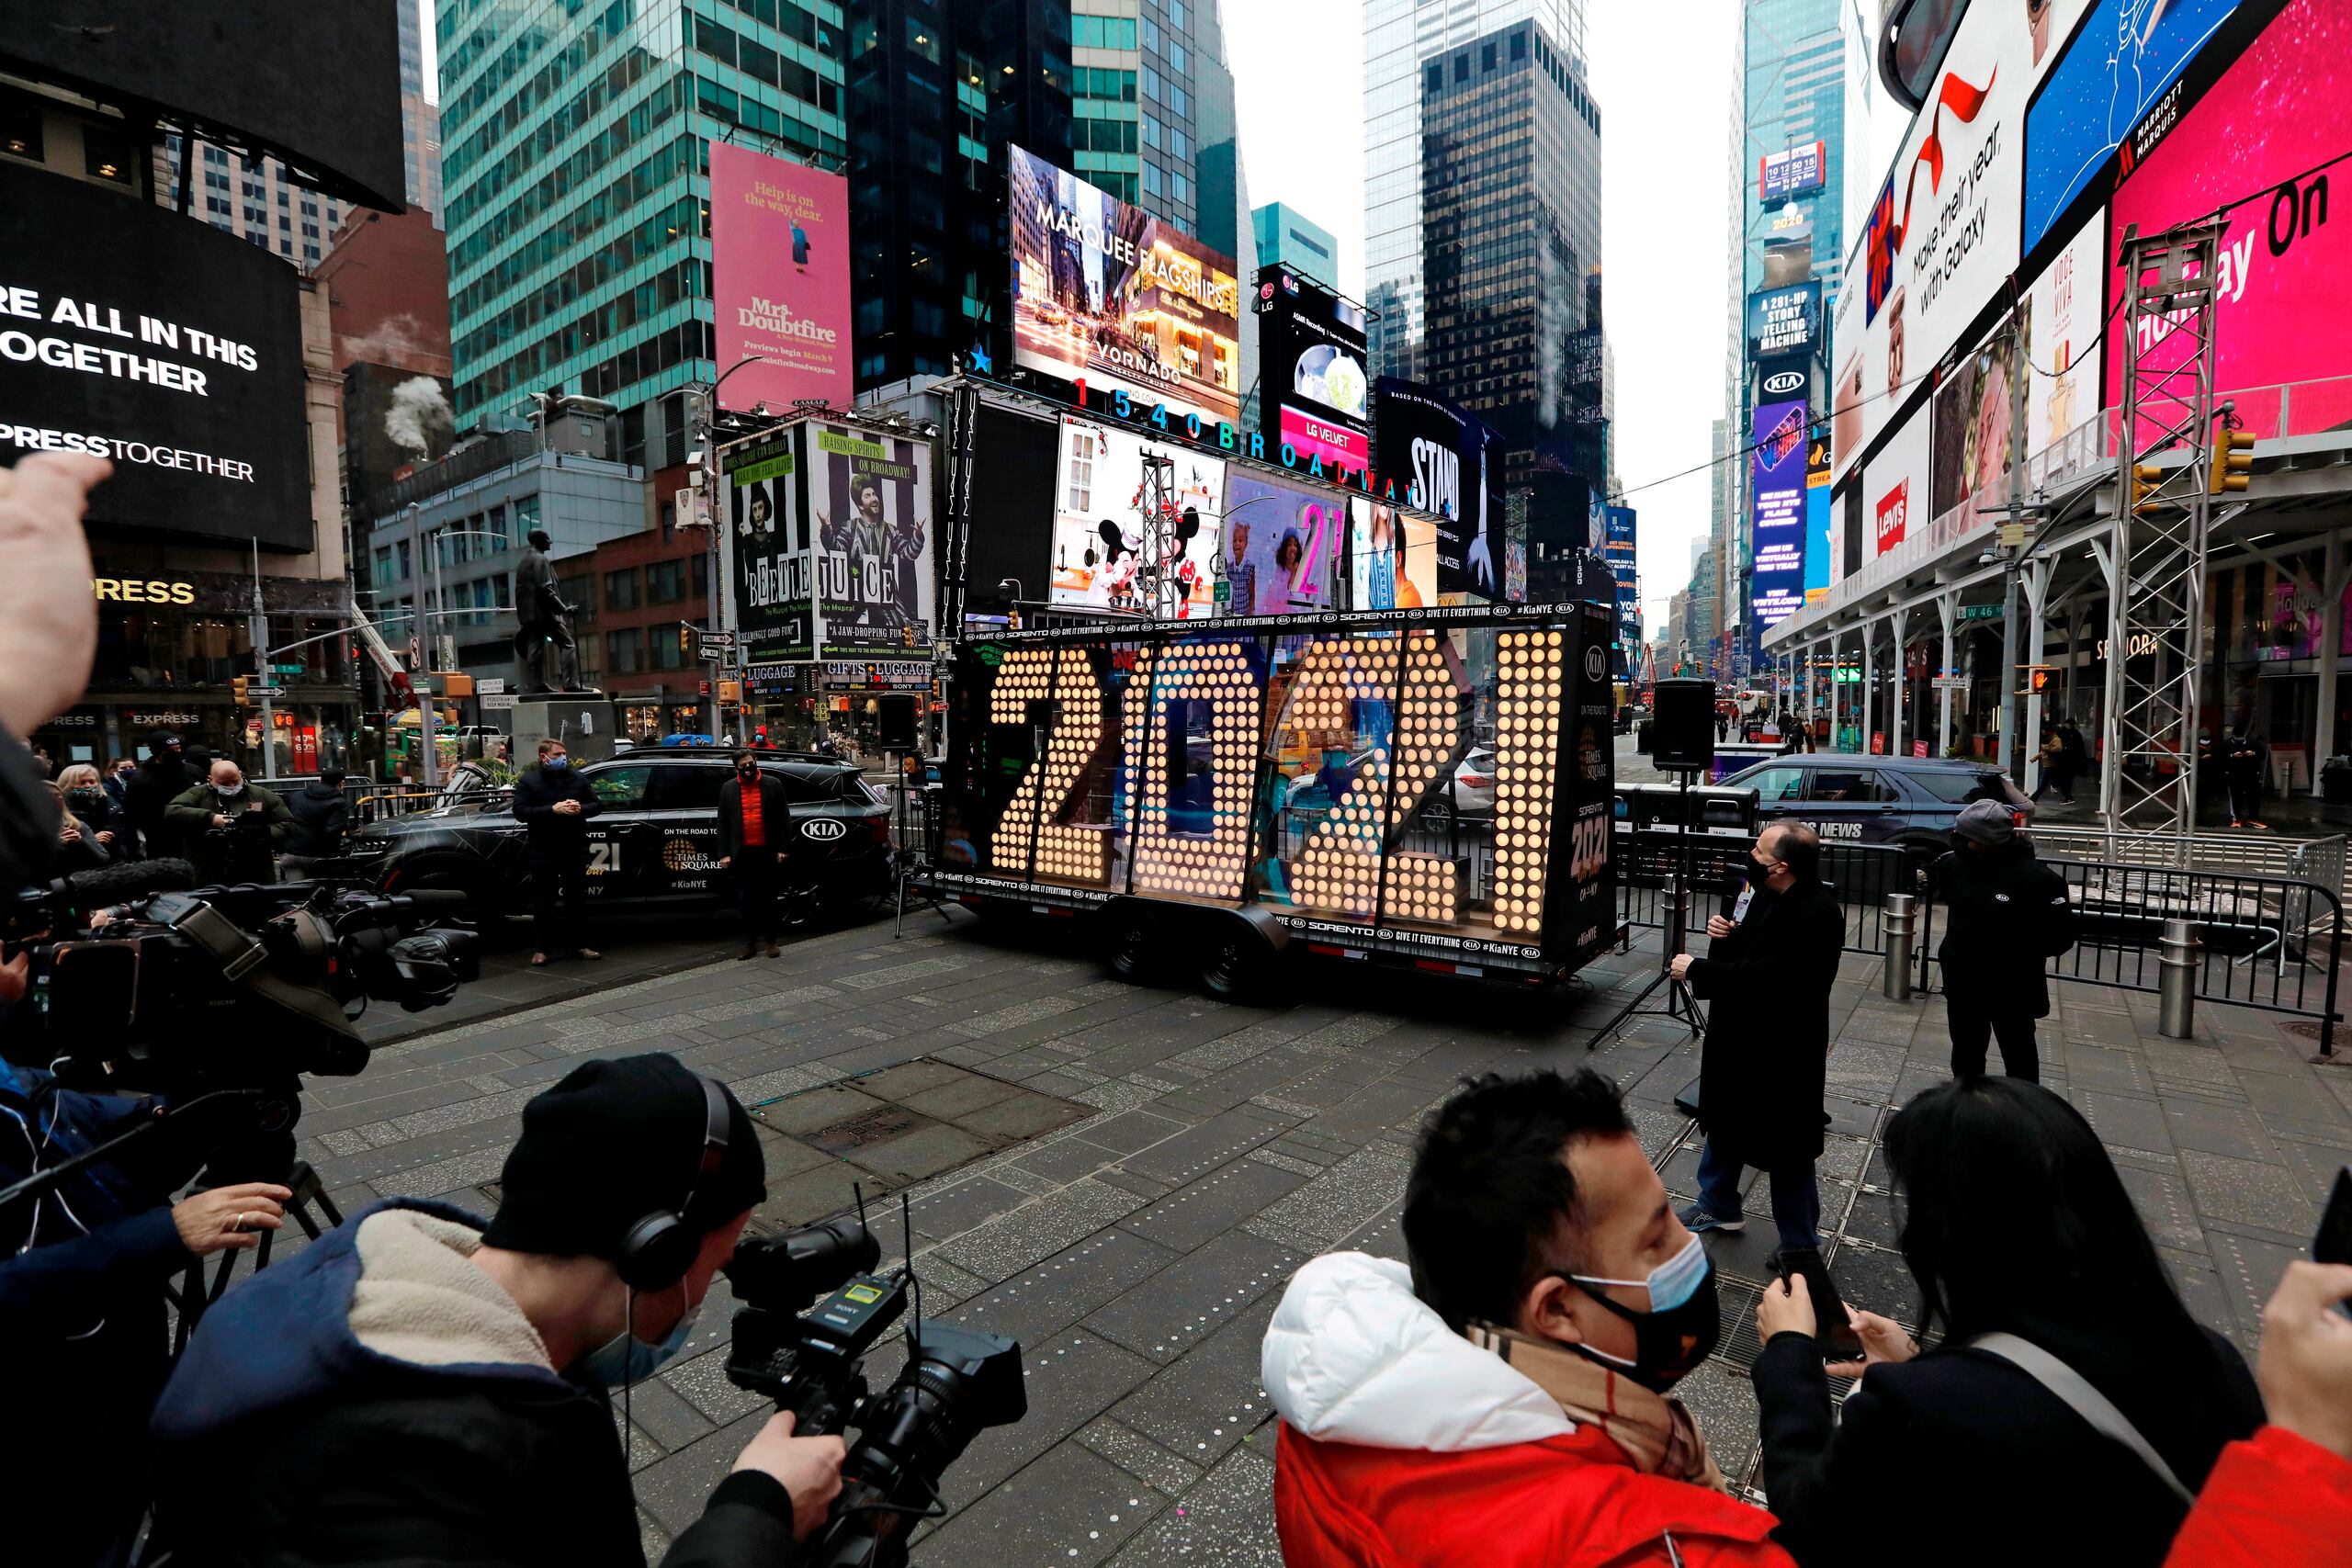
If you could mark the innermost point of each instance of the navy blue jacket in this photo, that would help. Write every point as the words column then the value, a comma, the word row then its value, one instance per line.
column 373, row 1460
column 81, row 1276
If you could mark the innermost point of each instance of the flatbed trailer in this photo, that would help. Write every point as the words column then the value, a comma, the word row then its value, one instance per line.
column 1238, row 794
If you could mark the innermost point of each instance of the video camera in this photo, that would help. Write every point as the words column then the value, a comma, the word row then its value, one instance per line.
column 805, row 1355
column 137, row 983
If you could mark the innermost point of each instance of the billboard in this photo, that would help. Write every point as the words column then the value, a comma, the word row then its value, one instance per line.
column 2065, row 312
column 1799, row 169
column 2115, row 70
column 1942, row 236
column 1099, row 523
column 1821, row 561
column 1618, row 550
column 1975, row 430
column 1010, row 485
column 2285, row 268
column 870, row 498
column 766, row 552
column 1783, row 321
column 1311, row 362
column 1777, row 502
column 779, row 275
column 1392, row 557
column 1453, row 466
column 244, row 72
column 1283, row 544
column 1108, row 297
column 1895, row 505
column 168, row 345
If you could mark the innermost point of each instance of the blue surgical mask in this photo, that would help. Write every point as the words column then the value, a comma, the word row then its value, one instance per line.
column 558, row 762
column 625, row 1358
column 1681, row 1329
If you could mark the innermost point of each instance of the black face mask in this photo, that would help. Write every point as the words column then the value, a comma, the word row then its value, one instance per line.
column 748, row 771
column 1756, row 873
column 1669, row 1344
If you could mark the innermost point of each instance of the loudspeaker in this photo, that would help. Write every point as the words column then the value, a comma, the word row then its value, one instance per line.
column 894, row 723
column 1683, row 723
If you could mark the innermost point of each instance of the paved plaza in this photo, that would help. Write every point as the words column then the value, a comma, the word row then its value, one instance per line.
column 1193, row 1153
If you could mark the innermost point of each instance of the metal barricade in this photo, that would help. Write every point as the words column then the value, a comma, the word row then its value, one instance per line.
column 2319, row 861
column 1861, row 876
column 2271, row 943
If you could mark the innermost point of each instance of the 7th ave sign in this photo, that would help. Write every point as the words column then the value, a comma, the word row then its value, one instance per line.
column 715, row 648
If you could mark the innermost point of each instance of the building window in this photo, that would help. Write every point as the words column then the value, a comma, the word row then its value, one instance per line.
column 1179, row 102
column 624, row 650
column 1151, row 179
column 665, row 582
column 403, row 546
column 620, row 589
column 106, row 155
column 665, row 648
column 1176, row 14
column 1176, row 58
column 20, row 129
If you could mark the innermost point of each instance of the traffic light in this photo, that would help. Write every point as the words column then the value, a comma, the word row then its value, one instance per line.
column 2038, row 679
column 237, row 687
column 2232, row 461
column 2146, row 478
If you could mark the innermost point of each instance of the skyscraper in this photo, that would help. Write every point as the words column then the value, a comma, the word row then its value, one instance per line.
column 935, row 95
column 574, row 164
column 1289, row 238
column 1154, row 99
column 1510, row 264
column 420, row 119
column 1398, row 36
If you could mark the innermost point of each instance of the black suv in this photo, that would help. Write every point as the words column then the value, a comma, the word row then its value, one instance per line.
column 654, row 847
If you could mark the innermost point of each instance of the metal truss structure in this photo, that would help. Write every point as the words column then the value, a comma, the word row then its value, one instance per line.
column 2155, row 556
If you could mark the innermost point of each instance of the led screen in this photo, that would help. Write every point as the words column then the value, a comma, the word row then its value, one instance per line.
column 1435, row 783
column 1105, row 505
column 1392, row 557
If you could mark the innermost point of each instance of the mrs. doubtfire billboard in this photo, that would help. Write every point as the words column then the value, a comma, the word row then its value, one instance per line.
column 1113, row 299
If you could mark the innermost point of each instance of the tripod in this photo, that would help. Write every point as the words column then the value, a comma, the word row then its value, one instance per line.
column 1679, row 1001
column 195, row 1295
column 903, row 858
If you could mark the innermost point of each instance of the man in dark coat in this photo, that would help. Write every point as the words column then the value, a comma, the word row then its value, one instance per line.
column 2007, row 915
column 320, row 812
column 422, row 1387
column 229, row 830
column 756, row 843
column 2245, row 760
column 1765, row 1066
column 554, row 803
column 152, row 786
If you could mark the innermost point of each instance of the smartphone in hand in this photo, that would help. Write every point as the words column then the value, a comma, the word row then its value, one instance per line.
column 2333, row 1243
column 1832, row 1331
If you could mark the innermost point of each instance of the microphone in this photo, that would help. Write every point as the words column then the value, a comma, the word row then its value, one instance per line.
column 86, row 890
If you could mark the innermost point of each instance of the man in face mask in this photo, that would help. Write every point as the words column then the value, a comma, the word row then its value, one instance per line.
column 1764, row 1070
column 230, row 831
column 431, row 1389
column 1505, row 1398
column 756, row 846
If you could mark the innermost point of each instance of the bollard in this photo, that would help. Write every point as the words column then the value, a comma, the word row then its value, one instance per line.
column 2179, row 951
column 1900, row 914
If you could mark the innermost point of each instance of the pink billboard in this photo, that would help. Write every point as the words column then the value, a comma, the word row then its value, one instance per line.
column 2286, row 267
column 779, row 243
column 1347, row 450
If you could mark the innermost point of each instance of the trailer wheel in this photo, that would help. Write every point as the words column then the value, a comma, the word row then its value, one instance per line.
column 1238, row 956
column 1132, row 943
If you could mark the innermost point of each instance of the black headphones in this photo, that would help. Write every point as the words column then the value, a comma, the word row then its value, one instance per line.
column 657, row 1250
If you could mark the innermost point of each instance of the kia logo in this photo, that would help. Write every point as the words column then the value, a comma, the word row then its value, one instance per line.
column 823, row 827
column 1786, row 381
column 1595, row 662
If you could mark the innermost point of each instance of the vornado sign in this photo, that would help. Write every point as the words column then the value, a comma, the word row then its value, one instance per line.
column 161, row 343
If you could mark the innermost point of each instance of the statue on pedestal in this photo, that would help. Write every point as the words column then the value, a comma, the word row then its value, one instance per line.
column 545, row 636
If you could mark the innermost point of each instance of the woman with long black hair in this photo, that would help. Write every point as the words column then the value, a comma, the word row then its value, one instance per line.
column 2072, row 1404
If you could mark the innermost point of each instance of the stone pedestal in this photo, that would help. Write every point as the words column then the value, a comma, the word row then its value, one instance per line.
column 584, row 721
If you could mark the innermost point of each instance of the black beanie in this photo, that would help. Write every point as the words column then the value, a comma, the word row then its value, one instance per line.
column 612, row 1143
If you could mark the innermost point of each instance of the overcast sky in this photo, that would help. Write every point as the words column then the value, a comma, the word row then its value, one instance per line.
column 1663, row 95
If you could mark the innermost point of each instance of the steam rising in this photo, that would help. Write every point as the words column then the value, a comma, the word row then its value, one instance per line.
column 420, row 419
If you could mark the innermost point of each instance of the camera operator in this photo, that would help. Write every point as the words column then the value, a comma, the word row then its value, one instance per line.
column 418, row 1387
column 83, row 1267
column 232, row 829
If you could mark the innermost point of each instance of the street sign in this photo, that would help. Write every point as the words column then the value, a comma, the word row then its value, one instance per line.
column 1980, row 611
column 497, row 702
column 256, row 693
column 489, row 685
column 715, row 647
column 1952, row 682
column 286, row 669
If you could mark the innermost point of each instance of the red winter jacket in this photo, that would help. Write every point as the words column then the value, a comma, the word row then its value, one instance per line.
column 2275, row 1501
column 1405, row 1446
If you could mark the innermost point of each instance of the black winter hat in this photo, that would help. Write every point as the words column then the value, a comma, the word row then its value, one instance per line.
column 615, row 1141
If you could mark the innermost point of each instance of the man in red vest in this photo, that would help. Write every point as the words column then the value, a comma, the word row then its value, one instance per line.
column 754, row 842
column 1504, row 1400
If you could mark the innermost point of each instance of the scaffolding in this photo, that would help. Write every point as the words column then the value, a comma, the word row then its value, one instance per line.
column 2155, row 559
column 1160, row 579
